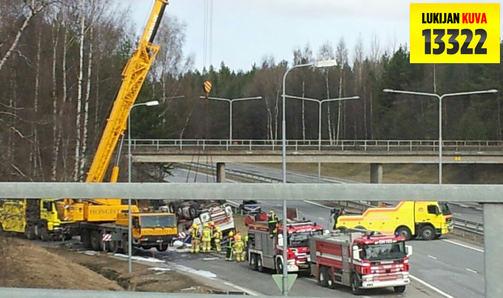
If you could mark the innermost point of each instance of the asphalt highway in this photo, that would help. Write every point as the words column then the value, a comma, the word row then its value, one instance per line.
column 441, row 268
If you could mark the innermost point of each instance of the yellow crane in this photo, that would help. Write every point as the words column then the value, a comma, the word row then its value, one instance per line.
column 105, row 220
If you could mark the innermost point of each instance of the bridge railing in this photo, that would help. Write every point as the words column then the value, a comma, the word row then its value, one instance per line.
column 329, row 145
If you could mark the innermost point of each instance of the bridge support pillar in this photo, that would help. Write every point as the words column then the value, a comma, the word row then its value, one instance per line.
column 220, row 172
column 376, row 170
column 493, row 263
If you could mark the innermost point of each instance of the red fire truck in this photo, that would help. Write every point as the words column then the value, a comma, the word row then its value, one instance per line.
column 360, row 259
column 265, row 248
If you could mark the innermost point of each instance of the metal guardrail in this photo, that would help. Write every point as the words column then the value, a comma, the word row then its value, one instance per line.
column 490, row 195
column 469, row 226
column 299, row 145
column 459, row 223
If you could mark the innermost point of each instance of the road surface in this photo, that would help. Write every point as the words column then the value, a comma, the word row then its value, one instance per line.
column 453, row 268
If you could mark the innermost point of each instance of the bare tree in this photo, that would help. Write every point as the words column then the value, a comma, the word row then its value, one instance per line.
column 80, row 79
column 326, row 52
column 31, row 9
column 341, row 55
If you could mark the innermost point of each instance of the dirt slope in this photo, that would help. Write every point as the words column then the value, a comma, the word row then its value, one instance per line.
column 23, row 264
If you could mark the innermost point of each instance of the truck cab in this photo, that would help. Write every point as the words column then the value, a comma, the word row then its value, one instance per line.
column 36, row 219
column 422, row 219
column 152, row 229
column 265, row 248
column 361, row 260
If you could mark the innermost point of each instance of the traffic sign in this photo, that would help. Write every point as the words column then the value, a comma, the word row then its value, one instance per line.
column 278, row 279
column 207, row 87
column 106, row 237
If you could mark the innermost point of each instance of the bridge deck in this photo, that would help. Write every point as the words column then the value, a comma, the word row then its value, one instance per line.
column 312, row 151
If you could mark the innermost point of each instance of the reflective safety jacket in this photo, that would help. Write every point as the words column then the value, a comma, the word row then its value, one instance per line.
column 206, row 235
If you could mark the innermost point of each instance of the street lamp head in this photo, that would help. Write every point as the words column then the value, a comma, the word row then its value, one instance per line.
column 325, row 63
column 492, row 91
column 152, row 103
column 387, row 90
column 355, row 97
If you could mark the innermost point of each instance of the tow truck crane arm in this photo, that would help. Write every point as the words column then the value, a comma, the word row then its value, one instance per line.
column 133, row 77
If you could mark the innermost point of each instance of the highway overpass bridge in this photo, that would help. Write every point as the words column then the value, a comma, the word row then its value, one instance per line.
column 373, row 152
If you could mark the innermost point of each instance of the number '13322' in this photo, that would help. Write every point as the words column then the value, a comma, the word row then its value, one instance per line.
column 453, row 35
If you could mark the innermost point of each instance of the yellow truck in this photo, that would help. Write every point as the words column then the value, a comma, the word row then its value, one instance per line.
column 36, row 219
column 426, row 219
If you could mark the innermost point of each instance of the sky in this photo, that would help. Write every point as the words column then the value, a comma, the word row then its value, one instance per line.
column 246, row 31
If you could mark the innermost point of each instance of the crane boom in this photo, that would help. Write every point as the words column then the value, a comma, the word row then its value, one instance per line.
column 133, row 77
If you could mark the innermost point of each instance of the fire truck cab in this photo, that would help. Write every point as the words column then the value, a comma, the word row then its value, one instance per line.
column 265, row 248
column 360, row 259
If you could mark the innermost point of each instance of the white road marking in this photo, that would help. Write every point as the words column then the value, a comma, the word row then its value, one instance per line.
column 463, row 245
column 433, row 257
column 248, row 291
column 430, row 286
column 471, row 270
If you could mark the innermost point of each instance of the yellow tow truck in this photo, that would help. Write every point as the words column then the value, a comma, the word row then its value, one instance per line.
column 425, row 219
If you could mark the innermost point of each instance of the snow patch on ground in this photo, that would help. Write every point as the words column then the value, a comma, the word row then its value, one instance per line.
column 159, row 269
column 141, row 259
column 90, row 252
column 202, row 273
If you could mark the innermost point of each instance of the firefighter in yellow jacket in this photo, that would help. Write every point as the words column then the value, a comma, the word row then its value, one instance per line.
column 217, row 239
column 194, row 233
column 206, row 238
column 238, row 248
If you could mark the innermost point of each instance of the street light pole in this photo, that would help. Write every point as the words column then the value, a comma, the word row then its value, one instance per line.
column 231, row 101
column 440, row 100
column 130, row 218
column 320, row 104
column 319, row 64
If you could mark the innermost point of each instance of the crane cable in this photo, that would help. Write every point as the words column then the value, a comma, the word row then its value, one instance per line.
column 207, row 58
column 208, row 33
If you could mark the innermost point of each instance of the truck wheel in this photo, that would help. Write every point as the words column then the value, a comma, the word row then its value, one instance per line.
column 171, row 207
column 114, row 246
column 85, row 238
column 323, row 278
column 253, row 261
column 30, row 233
column 95, row 241
column 260, row 266
column 399, row 289
column 404, row 232
column 162, row 247
column 67, row 237
column 44, row 234
column 279, row 266
column 428, row 233
column 193, row 212
column 355, row 286
column 125, row 248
